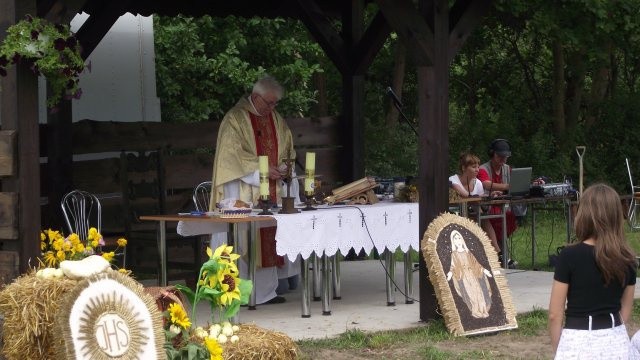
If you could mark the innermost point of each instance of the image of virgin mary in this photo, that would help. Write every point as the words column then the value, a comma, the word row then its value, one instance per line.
column 470, row 279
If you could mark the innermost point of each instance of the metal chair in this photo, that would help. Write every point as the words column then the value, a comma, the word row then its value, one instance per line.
column 634, row 203
column 202, row 196
column 81, row 210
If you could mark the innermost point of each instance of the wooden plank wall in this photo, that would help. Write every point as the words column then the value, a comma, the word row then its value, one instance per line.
column 189, row 160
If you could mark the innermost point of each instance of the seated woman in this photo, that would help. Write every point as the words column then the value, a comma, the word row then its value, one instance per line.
column 466, row 184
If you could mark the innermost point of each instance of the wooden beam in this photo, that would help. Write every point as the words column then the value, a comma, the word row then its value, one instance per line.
column 8, row 152
column 368, row 47
column 19, row 112
column 465, row 16
column 405, row 20
column 98, row 24
column 323, row 32
column 433, row 82
column 352, row 161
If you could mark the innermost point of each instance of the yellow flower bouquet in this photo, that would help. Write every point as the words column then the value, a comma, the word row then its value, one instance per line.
column 56, row 247
column 219, row 284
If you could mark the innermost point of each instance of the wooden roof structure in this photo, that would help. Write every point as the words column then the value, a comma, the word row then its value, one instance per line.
column 433, row 31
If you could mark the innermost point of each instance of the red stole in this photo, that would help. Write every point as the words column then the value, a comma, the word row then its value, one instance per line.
column 264, row 132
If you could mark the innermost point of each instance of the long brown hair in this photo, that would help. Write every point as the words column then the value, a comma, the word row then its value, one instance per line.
column 600, row 217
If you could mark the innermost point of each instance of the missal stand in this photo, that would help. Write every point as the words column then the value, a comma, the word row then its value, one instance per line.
column 358, row 192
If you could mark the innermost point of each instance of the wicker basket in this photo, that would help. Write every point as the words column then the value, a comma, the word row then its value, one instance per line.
column 235, row 213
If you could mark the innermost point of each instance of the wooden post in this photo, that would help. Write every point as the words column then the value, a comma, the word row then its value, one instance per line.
column 19, row 112
column 352, row 165
column 433, row 112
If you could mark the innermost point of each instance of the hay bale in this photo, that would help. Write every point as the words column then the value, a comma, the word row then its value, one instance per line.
column 29, row 305
column 260, row 344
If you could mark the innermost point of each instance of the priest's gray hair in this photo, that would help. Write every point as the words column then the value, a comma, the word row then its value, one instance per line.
column 268, row 84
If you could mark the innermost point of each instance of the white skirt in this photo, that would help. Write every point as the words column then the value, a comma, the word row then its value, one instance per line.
column 610, row 343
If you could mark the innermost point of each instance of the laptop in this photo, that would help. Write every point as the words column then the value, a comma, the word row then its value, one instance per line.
column 520, row 182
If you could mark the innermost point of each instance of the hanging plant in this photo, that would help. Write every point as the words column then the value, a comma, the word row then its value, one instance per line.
column 48, row 49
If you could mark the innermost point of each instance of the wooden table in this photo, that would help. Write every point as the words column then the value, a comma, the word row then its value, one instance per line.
column 232, row 236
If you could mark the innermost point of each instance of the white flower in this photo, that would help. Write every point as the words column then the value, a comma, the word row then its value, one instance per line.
column 43, row 38
column 200, row 332
column 235, row 328
column 31, row 47
column 234, row 339
column 225, row 324
column 214, row 332
column 227, row 330
column 222, row 339
column 174, row 329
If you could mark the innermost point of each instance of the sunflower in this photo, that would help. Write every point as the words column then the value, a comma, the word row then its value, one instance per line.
column 179, row 316
column 229, row 284
column 225, row 253
column 50, row 259
column 215, row 350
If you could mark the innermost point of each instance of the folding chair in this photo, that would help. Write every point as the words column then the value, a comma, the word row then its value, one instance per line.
column 202, row 196
column 634, row 204
column 82, row 210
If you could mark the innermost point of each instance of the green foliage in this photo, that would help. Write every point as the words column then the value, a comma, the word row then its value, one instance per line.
column 48, row 49
column 501, row 84
column 205, row 65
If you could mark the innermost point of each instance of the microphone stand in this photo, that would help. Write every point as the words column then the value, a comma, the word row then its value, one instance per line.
column 395, row 103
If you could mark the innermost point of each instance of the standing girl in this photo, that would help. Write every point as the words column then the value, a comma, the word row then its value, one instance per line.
column 595, row 279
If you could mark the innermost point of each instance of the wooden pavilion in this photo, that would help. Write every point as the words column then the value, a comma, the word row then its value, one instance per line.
column 434, row 33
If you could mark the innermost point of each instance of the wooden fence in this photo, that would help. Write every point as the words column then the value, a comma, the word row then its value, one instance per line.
column 189, row 149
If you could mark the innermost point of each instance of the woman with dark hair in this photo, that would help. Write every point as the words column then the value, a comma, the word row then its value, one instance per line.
column 595, row 278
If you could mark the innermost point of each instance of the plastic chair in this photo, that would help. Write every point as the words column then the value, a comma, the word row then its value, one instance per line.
column 202, row 196
column 81, row 211
column 634, row 204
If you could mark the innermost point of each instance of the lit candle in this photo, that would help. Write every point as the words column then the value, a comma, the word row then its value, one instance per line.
column 263, row 169
column 310, row 169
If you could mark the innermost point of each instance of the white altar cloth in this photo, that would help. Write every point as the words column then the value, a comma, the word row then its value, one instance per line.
column 331, row 228
column 328, row 229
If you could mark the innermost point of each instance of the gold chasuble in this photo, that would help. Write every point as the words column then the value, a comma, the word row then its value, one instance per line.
column 241, row 138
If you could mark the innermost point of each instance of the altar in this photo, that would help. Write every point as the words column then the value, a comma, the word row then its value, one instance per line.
column 324, row 232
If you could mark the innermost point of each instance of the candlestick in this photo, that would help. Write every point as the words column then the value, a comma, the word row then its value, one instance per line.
column 310, row 169
column 263, row 168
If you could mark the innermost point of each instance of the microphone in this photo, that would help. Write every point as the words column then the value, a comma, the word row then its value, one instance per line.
column 394, row 97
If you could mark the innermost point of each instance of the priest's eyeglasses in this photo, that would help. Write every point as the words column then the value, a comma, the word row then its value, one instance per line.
column 270, row 104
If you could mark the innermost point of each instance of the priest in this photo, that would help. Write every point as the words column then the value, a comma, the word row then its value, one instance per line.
column 250, row 129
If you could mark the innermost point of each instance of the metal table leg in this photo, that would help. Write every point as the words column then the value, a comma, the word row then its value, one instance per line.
column 326, row 286
column 304, row 278
column 317, row 280
column 252, row 254
column 408, row 278
column 391, row 270
column 162, row 253
column 533, row 236
column 335, row 264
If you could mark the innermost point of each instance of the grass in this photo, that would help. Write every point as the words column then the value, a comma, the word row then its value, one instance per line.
column 423, row 340
column 431, row 341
